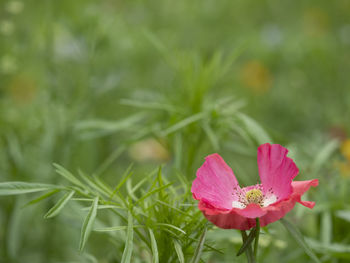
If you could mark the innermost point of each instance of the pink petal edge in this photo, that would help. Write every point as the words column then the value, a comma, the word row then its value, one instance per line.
column 276, row 170
column 215, row 183
column 244, row 219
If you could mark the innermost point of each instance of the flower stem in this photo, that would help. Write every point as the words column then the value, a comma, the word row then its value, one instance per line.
column 249, row 251
column 256, row 242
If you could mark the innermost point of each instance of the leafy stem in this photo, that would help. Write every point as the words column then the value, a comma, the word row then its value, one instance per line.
column 256, row 243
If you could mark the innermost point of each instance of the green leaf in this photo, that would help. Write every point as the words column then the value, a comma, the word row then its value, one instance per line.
column 88, row 224
column 42, row 197
column 211, row 136
column 337, row 250
column 148, row 105
column 155, row 257
column 67, row 175
column 125, row 177
column 59, row 205
column 90, row 129
column 300, row 239
column 153, row 192
column 254, row 129
column 126, row 258
column 324, row 154
column 247, row 242
column 105, row 207
column 171, row 226
column 185, row 122
column 16, row 188
column 115, row 228
column 179, row 252
column 326, row 228
column 199, row 248
column 343, row 214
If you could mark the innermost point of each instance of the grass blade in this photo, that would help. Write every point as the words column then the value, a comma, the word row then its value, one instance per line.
column 56, row 209
column 155, row 257
column 185, row 122
column 254, row 129
column 16, row 188
column 247, row 242
column 88, row 224
column 67, row 175
column 343, row 214
column 179, row 252
column 300, row 239
column 115, row 228
column 126, row 258
column 153, row 192
column 172, row 226
column 42, row 197
column 199, row 248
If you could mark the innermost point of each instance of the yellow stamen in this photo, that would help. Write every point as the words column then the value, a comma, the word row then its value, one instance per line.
column 254, row 196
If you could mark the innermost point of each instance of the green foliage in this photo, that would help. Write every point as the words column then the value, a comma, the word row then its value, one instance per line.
column 300, row 239
column 97, row 86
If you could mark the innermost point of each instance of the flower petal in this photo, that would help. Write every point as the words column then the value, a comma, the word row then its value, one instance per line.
column 244, row 219
column 280, row 209
column 276, row 170
column 251, row 211
column 300, row 187
column 226, row 219
column 215, row 183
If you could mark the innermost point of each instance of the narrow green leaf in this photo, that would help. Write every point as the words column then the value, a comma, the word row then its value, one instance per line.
column 155, row 256
column 343, row 214
column 326, row 228
column 41, row 198
column 148, row 105
column 324, row 154
column 91, row 129
column 67, row 175
column 110, row 160
column 105, row 207
column 179, row 252
column 338, row 250
column 211, row 136
column 185, row 122
column 90, row 182
column 88, row 224
column 254, row 129
column 56, row 209
column 300, row 239
column 199, row 248
column 153, row 192
column 115, row 228
column 126, row 258
column 247, row 242
column 171, row 226
column 16, row 188
column 125, row 177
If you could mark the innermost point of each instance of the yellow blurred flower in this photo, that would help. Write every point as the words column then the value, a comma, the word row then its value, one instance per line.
column 344, row 168
column 149, row 150
column 316, row 22
column 256, row 76
column 345, row 149
column 22, row 88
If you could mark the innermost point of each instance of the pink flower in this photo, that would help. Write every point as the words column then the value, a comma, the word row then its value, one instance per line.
column 227, row 205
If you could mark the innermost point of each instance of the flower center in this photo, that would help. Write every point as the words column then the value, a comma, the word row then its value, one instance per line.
column 254, row 196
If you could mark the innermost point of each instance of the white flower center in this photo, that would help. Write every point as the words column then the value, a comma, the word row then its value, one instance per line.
column 253, row 196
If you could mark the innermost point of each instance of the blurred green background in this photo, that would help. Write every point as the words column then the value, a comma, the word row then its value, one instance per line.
column 98, row 85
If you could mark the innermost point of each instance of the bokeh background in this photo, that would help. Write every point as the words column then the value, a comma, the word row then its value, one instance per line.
column 98, row 85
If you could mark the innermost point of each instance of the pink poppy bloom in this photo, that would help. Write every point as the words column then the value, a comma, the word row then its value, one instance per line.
column 227, row 205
